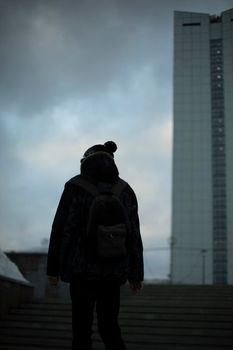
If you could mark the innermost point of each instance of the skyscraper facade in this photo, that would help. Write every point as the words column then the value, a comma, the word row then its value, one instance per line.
column 202, row 198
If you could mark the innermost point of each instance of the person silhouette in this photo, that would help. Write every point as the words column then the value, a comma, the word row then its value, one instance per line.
column 95, row 280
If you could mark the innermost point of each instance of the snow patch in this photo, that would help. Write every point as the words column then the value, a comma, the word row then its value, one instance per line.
column 9, row 269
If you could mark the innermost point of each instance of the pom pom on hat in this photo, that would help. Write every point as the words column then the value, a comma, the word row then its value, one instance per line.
column 110, row 146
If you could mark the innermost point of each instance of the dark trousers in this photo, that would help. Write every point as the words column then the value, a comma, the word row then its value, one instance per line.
column 85, row 296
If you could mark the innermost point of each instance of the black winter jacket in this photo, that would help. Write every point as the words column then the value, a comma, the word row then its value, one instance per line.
column 67, row 252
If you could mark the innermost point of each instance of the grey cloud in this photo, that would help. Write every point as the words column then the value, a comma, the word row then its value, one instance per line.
column 57, row 50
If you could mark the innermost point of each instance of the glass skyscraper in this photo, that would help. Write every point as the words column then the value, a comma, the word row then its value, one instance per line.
column 202, row 198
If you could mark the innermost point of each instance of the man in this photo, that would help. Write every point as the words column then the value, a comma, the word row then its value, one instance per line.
column 95, row 281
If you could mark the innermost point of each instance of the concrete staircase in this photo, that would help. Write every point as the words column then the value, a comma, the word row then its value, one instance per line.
column 162, row 317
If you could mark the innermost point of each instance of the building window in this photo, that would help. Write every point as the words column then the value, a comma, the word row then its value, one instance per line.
column 191, row 24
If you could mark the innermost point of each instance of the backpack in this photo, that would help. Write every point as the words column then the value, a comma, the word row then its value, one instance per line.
column 107, row 230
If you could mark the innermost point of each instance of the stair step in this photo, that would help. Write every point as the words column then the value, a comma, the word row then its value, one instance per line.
column 143, row 304
column 133, row 310
column 129, row 347
column 66, row 333
column 124, row 323
column 124, row 317
column 133, row 339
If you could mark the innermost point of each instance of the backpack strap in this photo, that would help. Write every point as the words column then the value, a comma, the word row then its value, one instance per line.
column 86, row 185
column 118, row 187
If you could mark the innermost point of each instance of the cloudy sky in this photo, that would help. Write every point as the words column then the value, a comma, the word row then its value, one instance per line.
column 77, row 73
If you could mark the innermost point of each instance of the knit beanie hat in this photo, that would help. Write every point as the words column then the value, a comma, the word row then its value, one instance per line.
column 108, row 147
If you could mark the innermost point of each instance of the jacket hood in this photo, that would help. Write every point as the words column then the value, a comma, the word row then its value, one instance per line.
column 100, row 167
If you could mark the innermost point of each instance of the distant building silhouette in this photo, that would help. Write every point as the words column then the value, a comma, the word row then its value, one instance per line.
column 202, row 214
